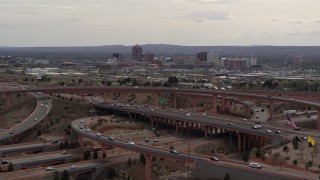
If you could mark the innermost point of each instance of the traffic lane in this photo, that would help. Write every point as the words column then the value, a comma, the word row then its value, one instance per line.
column 42, row 171
column 221, row 122
column 38, row 158
column 21, row 147
column 29, row 121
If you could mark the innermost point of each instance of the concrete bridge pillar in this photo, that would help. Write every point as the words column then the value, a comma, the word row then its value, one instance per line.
column 221, row 130
column 205, row 131
column 244, row 141
column 211, row 131
column 249, row 141
column 148, row 168
column 214, row 103
column 174, row 100
column 224, row 104
column 271, row 111
column 177, row 126
column 104, row 149
column 152, row 124
column 215, row 130
column 156, row 99
column 8, row 99
column 239, row 141
column 318, row 119
column 80, row 140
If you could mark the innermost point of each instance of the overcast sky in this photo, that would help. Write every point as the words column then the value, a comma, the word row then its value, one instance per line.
column 182, row 22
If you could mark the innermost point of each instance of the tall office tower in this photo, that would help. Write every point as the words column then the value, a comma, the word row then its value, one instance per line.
column 148, row 57
column 137, row 53
column 202, row 56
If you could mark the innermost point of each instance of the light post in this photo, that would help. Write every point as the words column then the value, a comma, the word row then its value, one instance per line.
column 44, row 127
column 188, row 129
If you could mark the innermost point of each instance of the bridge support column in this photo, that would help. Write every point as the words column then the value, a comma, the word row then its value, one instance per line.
column 174, row 100
column 214, row 104
column 224, row 104
column 221, row 130
column 271, row 111
column 249, row 141
column 318, row 119
column 8, row 99
column 152, row 125
column 205, row 131
column 156, row 99
column 244, row 142
column 215, row 130
column 104, row 150
column 80, row 140
column 239, row 141
column 148, row 168
column 177, row 126
column 211, row 131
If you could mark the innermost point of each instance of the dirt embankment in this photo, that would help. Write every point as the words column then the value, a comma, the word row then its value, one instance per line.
column 22, row 106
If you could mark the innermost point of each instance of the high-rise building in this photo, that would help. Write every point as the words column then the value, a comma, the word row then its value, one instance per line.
column 148, row 56
column 116, row 55
column 202, row 56
column 137, row 53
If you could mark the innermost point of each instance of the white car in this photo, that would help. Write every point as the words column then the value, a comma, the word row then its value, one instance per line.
column 255, row 165
column 131, row 143
column 64, row 152
column 151, row 109
column 98, row 134
column 81, row 121
column 214, row 159
column 174, row 151
column 230, row 123
column 35, row 119
column 278, row 132
column 244, row 120
column 50, row 168
column 203, row 114
column 111, row 138
column 74, row 167
column 269, row 131
column 188, row 114
column 87, row 130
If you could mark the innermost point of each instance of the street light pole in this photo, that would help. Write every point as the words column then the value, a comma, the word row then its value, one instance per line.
column 188, row 129
column 44, row 127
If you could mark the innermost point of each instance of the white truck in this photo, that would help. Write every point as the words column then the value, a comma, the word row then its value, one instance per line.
column 289, row 112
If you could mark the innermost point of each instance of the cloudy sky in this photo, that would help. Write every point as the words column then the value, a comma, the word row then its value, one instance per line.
column 183, row 22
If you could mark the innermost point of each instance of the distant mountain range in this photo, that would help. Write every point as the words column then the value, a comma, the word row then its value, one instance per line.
column 175, row 49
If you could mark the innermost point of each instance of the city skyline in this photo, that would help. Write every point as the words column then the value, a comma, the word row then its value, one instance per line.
column 181, row 22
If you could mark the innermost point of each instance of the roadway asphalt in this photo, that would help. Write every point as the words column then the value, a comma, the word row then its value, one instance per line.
column 42, row 109
column 161, row 153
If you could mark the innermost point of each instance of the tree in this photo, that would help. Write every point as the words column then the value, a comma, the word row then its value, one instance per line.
column 173, row 80
column 10, row 166
column 65, row 175
column 295, row 162
column 275, row 157
column 227, row 177
column 66, row 144
column 154, row 158
column 142, row 159
column 86, row 155
column 246, row 157
column 61, row 146
column 56, row 175
column 111, row 173
column 258, row 153
column 295, row 143
column 129, row 162
column 39, row 132
column 95, row 155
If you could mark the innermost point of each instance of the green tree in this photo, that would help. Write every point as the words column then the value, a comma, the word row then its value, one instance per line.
column 295, row 143
column 111, row 173
column 258, row 153
column 246, row 157
column 95, row 155
column 142, row 159
column 56, row 175
column 227, row 177
column 10, row 166
column 65, row 175
column 61, row 146
column 66, row 144
column 295, row 162
column 173, row 80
